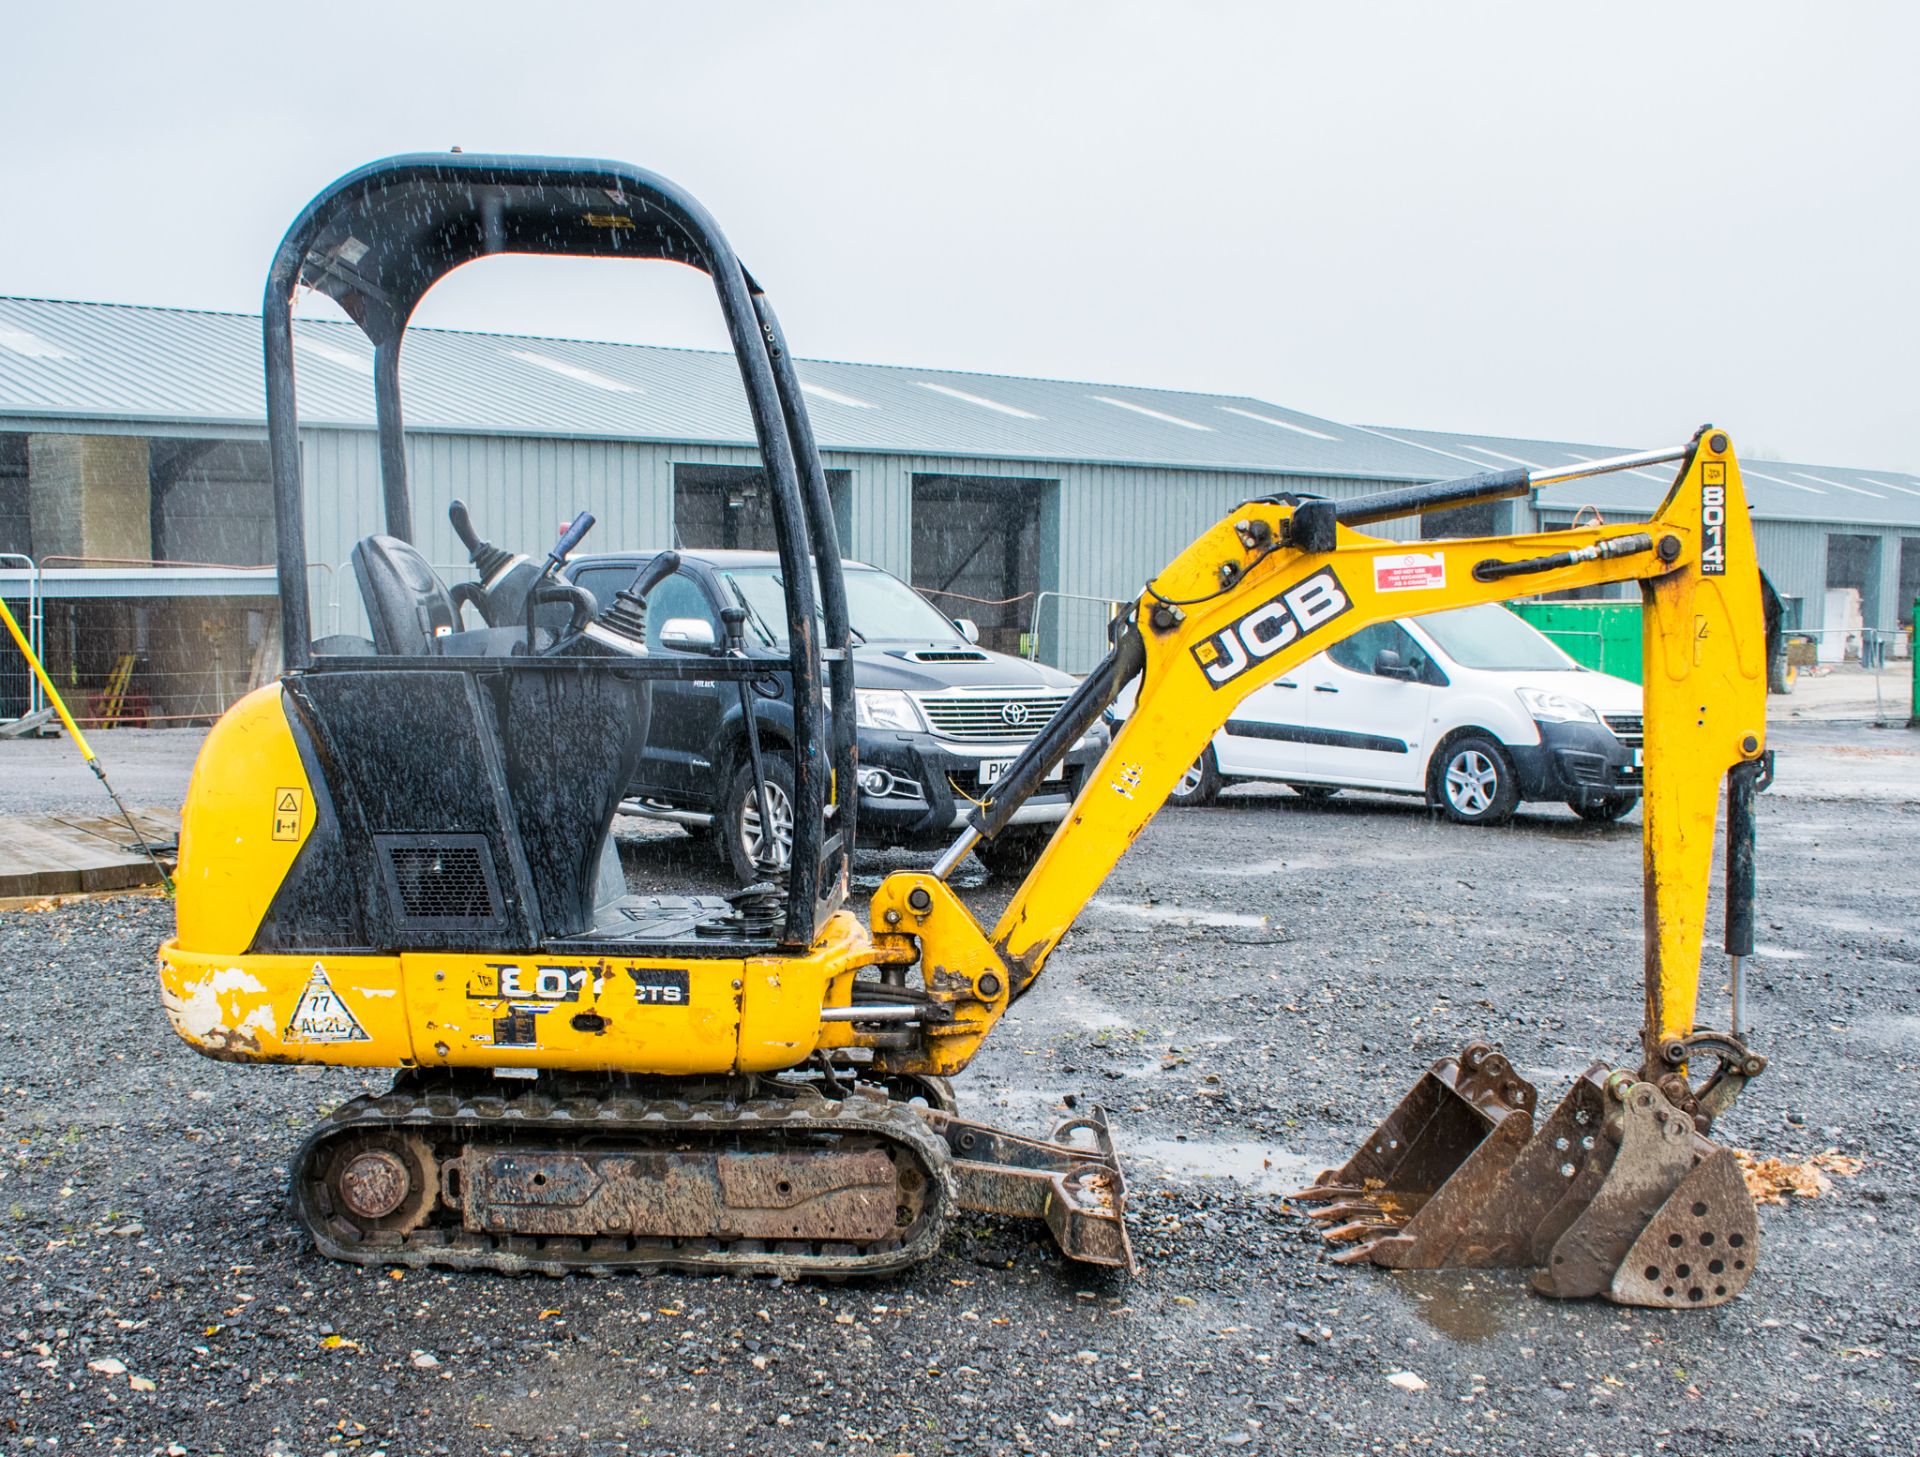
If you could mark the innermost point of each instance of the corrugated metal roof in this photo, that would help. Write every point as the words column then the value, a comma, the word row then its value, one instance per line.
column 1775, row 490
column 121, row 362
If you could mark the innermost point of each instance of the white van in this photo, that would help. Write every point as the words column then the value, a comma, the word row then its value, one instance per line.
column 1473, row 709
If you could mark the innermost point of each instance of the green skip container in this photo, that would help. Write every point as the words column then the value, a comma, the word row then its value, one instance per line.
column 1601, row 635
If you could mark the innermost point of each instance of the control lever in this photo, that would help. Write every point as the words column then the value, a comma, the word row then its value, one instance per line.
column 500, row 596
column 536, row 591
column 569, row 539
column 734, row 619
column 628, row 614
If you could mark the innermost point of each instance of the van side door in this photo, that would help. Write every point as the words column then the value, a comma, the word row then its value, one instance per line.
column 1367, row 706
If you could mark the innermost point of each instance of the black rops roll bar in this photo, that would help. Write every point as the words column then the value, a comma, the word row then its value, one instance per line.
column 379, row 238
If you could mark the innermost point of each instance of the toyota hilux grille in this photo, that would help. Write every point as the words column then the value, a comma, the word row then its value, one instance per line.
column 990, row 717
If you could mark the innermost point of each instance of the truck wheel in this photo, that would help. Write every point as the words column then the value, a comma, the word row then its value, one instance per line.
column 1014, row 853
column 1200, row 784
column 1472, row 782
column 1613, row 807
column 741, row 818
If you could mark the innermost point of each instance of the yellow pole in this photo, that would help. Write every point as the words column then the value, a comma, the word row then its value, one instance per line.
column 80, row 739
column 53, row 693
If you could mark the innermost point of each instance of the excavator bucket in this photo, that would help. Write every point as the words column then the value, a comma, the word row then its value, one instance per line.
column 1617, row 1194
column 1456, row 1131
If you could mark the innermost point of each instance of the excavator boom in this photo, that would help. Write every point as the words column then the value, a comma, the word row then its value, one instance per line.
column 1456, row 1173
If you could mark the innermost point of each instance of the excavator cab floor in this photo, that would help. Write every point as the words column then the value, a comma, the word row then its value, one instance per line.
column 675, row 925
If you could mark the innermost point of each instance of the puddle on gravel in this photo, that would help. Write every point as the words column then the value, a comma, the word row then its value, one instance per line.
column 1469, row 1306
column 1264, row 1168
column 1179, row 915
column 1776, row 953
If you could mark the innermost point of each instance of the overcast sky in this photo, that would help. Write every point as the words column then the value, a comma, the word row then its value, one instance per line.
column 1602, row 223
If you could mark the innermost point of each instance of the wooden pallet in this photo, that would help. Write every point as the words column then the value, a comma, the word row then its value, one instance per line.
column 68, row 854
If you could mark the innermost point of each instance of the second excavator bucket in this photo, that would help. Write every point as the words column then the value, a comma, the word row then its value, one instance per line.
column 1453, row 1134
column 1617, row 1194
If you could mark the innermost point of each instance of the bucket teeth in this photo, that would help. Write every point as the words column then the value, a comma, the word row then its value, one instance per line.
column 1616, row 1194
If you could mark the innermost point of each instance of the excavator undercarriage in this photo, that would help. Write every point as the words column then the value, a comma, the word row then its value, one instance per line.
column 764, row 1176
column 398, row 856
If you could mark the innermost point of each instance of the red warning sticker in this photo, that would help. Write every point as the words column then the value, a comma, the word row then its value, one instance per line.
column 1414, row 571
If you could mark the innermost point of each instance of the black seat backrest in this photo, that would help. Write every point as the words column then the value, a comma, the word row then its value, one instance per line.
column 407, row 603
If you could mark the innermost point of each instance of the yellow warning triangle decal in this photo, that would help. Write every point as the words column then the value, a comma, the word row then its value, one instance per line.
column 289, row 800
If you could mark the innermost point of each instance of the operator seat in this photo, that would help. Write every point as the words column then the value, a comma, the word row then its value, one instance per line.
column 407, row 604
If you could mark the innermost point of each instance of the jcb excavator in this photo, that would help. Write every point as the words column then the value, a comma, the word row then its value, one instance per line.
column 399, row 855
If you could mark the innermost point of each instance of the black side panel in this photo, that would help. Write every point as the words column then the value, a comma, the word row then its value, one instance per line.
column 455, row 810
column 412, row 759
column 571, row 744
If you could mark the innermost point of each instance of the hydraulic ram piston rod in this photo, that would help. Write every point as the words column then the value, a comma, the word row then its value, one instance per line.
column 1502, row 485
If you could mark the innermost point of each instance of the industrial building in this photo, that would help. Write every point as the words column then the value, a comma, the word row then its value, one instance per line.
column 136, row 506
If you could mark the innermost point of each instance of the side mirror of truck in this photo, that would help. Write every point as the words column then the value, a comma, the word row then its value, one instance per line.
column 1388, row 664
column 969, row 629
column 688, row 635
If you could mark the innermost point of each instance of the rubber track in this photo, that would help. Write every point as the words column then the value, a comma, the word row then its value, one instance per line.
column 447, row 1117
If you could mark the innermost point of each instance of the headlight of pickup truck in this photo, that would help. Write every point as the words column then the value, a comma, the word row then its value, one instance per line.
column 887, row 709
column 1554, row 707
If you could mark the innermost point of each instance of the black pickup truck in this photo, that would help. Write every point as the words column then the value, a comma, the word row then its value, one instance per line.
column 940, row 718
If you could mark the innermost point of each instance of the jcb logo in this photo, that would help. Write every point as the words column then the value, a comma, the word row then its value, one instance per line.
column 1713, row 521
column 1303, row 608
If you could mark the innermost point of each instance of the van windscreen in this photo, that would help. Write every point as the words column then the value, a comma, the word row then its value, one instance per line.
column 1493, row 638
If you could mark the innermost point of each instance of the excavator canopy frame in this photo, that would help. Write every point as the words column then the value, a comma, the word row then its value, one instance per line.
column 377, row 240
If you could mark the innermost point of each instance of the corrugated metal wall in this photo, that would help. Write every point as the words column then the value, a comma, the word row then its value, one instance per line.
column 1111, row 527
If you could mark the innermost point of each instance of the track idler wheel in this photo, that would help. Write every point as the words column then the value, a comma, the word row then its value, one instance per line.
column 380, row 1183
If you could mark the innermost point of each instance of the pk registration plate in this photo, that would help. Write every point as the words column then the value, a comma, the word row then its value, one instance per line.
column 992, row 769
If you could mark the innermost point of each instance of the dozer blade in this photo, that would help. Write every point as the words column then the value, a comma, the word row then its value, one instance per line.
column 1071, row 1180
column 1429, row 1162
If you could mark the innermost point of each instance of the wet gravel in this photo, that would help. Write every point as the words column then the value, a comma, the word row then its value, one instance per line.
column 1256, row 984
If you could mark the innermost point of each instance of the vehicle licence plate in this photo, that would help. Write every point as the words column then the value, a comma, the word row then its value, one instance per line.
column 992, row 769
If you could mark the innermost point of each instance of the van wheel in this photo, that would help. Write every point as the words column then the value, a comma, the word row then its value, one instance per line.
column 1014, row 853
column 1613, row 807
column 1200, row 784
column 1315, row 791
column 741, row 819
column 1472, row 782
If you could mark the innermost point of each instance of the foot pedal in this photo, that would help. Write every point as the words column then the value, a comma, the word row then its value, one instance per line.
column 1071, row 1180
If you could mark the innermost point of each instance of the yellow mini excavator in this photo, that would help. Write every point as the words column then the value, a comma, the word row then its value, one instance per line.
column 398, row 855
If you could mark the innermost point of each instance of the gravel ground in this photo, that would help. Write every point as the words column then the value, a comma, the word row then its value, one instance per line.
column 1255, row 985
